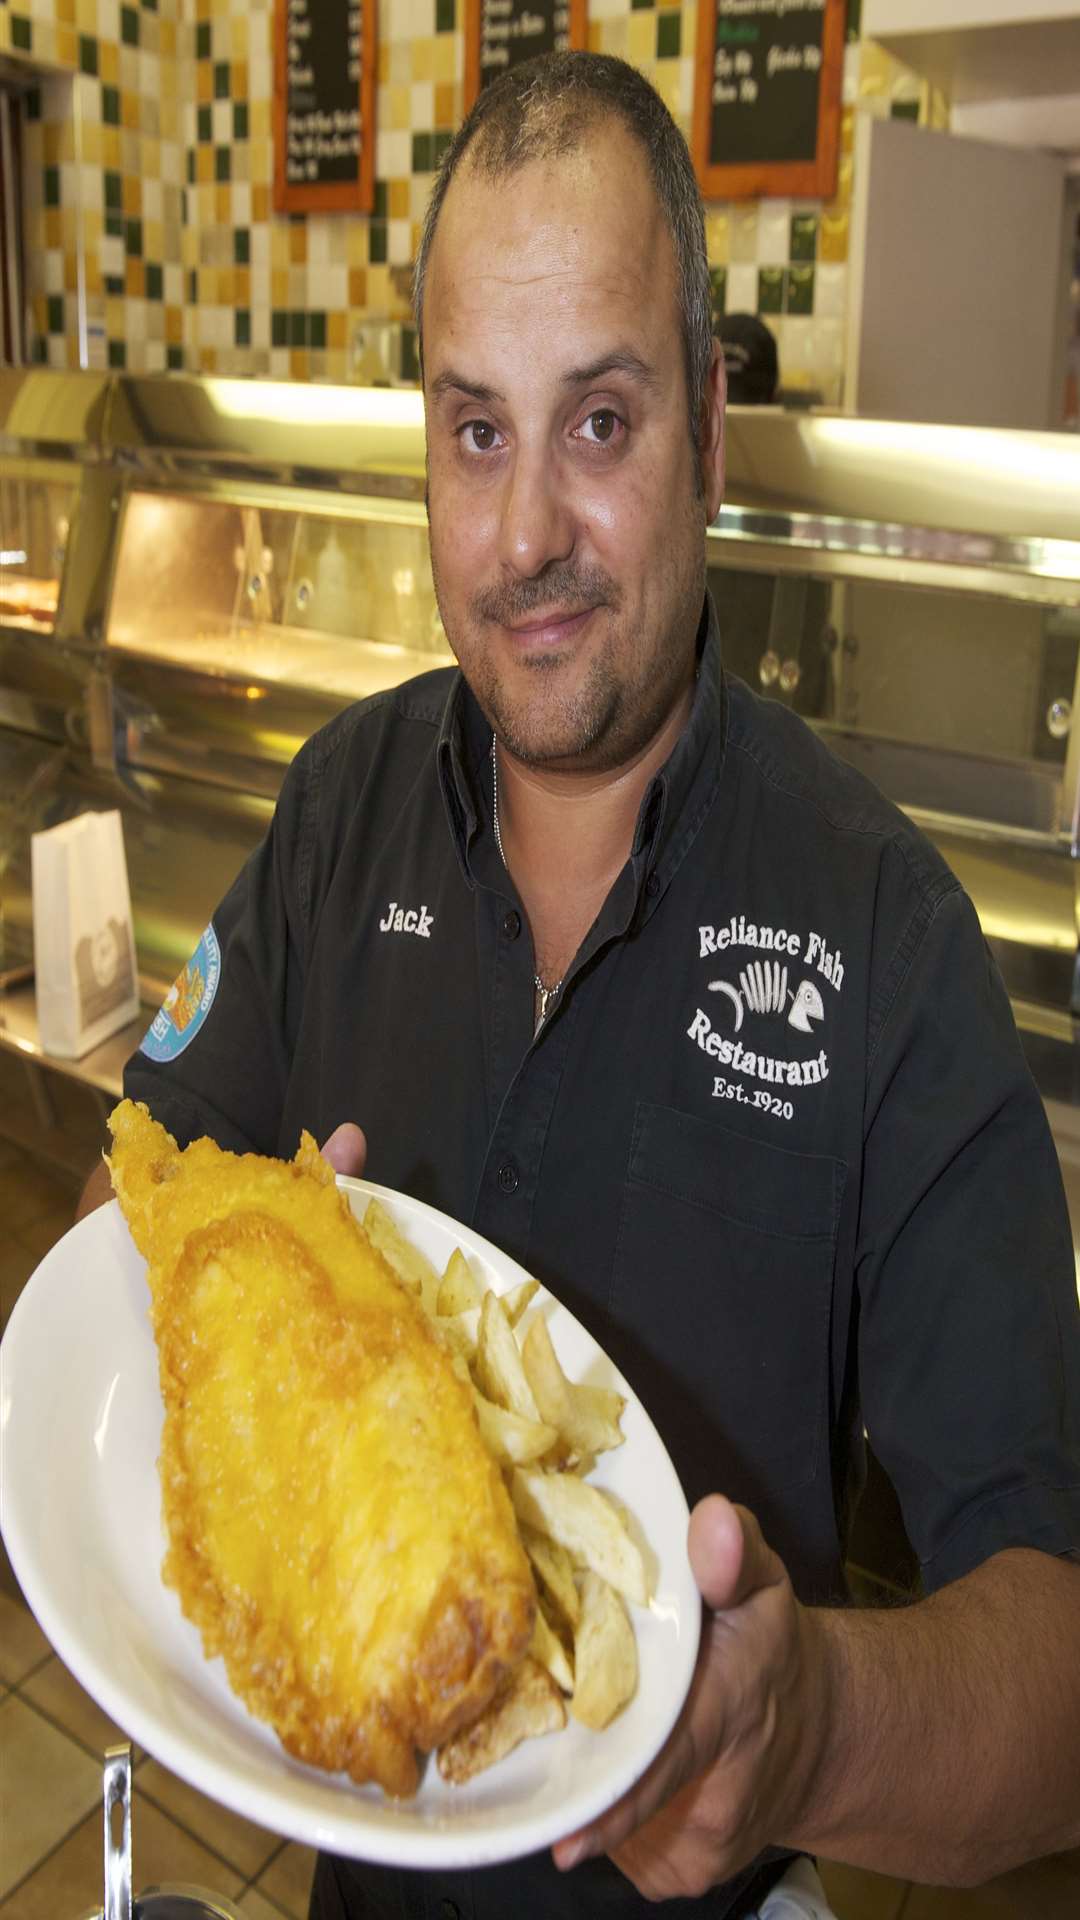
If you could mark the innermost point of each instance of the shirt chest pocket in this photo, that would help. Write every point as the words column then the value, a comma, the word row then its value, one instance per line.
column 722, row 1292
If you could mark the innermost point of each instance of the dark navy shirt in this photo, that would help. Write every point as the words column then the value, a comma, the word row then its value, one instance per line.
column 776, row 1143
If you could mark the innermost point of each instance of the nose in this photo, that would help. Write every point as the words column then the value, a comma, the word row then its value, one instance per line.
column 537, row 522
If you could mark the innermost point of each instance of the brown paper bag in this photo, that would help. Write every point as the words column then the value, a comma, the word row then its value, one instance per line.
column 84, row 949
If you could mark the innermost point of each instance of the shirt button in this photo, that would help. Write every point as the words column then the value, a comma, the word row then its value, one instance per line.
column 508, row 1177
column 512, row 924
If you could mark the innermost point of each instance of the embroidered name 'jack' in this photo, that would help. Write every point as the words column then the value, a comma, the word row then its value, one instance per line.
column 407, row 920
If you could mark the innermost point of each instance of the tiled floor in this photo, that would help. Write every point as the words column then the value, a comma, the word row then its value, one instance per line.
column 53, row 1736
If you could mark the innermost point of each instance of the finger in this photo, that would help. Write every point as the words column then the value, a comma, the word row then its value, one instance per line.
column 346, row 1149
column 728, row 1554
column 675, row 1764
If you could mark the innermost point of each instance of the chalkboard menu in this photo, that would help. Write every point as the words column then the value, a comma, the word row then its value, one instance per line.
column 767, row 90
column 324, row 105
column 499, row 34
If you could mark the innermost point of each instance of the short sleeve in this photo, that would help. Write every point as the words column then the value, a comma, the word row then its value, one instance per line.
column 216, row 1058
column 969, row 1326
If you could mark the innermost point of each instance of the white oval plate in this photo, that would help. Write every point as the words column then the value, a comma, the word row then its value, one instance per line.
column 80, row 1425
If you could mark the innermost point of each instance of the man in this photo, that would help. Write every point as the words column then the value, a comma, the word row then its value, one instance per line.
column 615, row 963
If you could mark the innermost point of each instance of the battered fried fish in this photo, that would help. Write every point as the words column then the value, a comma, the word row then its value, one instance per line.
column 337, row 1530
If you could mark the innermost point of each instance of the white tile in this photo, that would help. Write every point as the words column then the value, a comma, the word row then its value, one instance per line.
column 221, row 122
column 830, row 289
column 741, row 289
column 422, row 106
column 399, row 241
column 774, row 233
column 54, row 271
column 393, row 154
column 241, row 203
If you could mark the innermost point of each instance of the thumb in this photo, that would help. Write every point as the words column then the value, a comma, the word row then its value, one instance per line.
column 728, row 1554
column 346, row 1149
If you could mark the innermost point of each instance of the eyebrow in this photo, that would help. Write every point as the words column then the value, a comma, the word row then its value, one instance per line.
column 621, row 360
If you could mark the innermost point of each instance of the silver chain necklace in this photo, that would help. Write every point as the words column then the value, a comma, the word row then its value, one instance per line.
column 545, row 995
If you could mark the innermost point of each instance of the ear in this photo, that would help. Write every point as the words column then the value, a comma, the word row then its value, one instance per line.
column 711, row 442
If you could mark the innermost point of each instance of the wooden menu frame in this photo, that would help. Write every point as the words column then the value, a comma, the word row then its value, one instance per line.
column 330, row 196
column 744, row 180
column 577, row 29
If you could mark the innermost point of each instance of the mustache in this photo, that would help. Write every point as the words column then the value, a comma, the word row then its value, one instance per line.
column 572, row 589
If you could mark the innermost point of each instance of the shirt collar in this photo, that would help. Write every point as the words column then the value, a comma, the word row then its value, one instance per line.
column 672, row 808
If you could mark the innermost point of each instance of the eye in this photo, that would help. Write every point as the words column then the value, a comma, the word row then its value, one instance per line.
column 604, row 424
column 478, row 436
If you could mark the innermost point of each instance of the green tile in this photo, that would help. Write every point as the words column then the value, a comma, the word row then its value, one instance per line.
column 191, row 167
column 39, row 352
column 174, row 359
column 641, row 6
column 114, row 285
column 204, row 125
column 33, row 104
column 240, row 120
column 804, row 230
column 718, row 282
column 241, row 246
column 382, row 204
column 155, row 281
column 150, row 6
column 222, row 163
column 114, row 224
column 54, row 307
column 279, row 328
column 668, row 36
column 114, row 191
column 444, row 16
column 202, row 40
column 242, row 327
column 22, row 33
column 317, row 331
column 117, row 354
column 88, row 54
column 297, row 330
column 129, row 26
column 799, row 290
column 904, row 110
column 770, row 290
column 183, row 206
column 221, row 79
column 421, row 153
column 377, row 244
column 440, row 141
column 52, row 186
column 854, row 19
column 133, row 238
column 410, row 364
column 110, row 106
column 193, row 286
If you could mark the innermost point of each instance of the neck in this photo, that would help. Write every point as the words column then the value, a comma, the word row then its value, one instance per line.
column 566, row 836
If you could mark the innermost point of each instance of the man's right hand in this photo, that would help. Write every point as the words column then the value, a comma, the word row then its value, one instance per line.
column 346, row 1149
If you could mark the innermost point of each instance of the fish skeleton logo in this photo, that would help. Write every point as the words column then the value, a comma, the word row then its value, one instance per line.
column 763, row 988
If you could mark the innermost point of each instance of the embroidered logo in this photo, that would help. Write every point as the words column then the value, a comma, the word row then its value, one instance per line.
column 407, row 920
column 187, row 1002
column 762, row 988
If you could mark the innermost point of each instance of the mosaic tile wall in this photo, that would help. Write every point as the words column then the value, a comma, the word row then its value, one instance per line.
column 151, row 236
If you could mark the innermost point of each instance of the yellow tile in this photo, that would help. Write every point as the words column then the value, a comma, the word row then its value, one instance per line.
column 641, row 39
column 203, row 9
column 67, row 47
column 242, row 286
column 204, row 82
column 71, row 283
column 65, row 12
column 23, row 1646
column 279, row 287
column 238, row 37
column 336, row 334
column 168, row 39
column 174, row 325
column 50, row 145
column 259, row 119
column 110, row 147
column 57, row 1693
column 445, row 103
column 445, row 67
column 134, row 279
column 382, row 64
column 423, row 57
column 164, row 1854
column 358, row 283
column 222, row 204
column 208, row 359
column 109, row 62
column 260, row 201
column 48, row 1785
column 297, row 245
column 239, row 79
column 399, row 104
column 717, row 237
column 204, row 165
column 833, row 236
column 129, row 110
column 132, row 195
column 86, row 15
column 298, row 364
column 398, row 198
column 246, row 1846
column 287, row 1880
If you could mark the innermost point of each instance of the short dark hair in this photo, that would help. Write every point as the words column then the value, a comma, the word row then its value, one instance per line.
column 542, row 109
